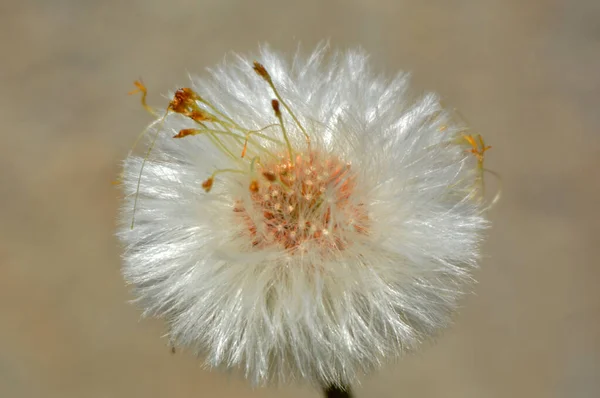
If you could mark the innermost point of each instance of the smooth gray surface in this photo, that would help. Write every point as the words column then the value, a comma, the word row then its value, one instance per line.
column 524, row 73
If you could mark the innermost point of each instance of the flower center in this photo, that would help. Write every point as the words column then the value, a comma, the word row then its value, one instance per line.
column 310, row 199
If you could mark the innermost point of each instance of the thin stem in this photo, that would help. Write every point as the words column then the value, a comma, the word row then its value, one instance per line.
column 139, row 181
column 287, row 108
column 337, row 392
column 285, row 137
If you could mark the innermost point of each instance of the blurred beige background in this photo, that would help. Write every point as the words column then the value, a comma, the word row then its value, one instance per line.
column 524, row 73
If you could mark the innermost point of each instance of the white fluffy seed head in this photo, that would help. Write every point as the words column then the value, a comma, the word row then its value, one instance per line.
column 339, row 240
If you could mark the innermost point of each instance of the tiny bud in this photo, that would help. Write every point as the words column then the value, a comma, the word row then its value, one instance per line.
column 181, row 100
column 188, row 94
column 207, row 185
column 200, row 116
column 186, row 132
column 253, row 186
column 261, row 71
column 275, row 105
column 269, row 176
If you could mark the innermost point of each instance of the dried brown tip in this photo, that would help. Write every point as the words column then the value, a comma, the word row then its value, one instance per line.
column 477, row 148
column 185, row 133
column 182, row 99
column 269, row 176
column 253, row 186
column 139, row 87
column 200, row 116
column 207, row 185
column 261, row 71
column 275, row 105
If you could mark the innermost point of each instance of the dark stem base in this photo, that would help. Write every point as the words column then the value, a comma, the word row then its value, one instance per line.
column 337, row 392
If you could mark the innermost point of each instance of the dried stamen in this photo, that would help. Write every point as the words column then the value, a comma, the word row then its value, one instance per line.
column 275, row 105
column 141, row 88
column 262, row 72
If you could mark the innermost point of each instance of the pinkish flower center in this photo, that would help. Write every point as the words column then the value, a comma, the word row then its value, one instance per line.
column 309, row 199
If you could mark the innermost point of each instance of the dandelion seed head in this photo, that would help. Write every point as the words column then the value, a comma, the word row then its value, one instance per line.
column 307, row 220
